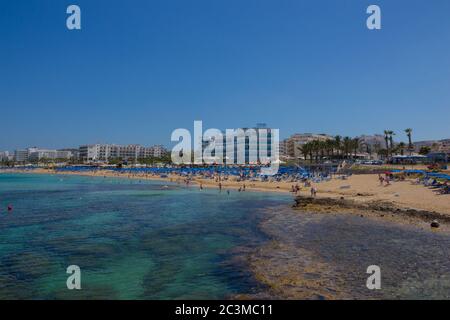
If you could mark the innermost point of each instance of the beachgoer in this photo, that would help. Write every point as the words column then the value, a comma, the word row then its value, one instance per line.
column 381, row 179
column 313, row 192
column 10, row 207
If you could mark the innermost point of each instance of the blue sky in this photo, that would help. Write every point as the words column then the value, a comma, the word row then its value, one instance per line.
column 140, row 69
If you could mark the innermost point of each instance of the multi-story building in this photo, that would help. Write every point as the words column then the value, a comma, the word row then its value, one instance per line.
column 283, row 149
column 36, row 154
column 293, row 144
column 106, row 152
column 444, row 146
column 5, row 156
column 40, row 154
column 156, row 151
column 248, row 150
column 432, row 144
column 371, row 144
column 21, row 155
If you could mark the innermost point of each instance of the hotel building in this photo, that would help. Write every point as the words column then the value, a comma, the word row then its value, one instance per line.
column 243, row 150
column 106, row 152
column 291, row 146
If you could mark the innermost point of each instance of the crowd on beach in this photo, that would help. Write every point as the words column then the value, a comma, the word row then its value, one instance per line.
column 292, row 179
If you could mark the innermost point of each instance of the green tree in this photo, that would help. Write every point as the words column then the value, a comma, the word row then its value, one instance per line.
column 424, row 150
column 401, row 147
column 409, row 134
column 338, row 144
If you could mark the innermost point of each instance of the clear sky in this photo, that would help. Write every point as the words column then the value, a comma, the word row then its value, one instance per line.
column 140, row 69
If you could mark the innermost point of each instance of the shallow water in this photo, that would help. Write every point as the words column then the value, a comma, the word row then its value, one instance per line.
column 135, row 240
column 338, row 249
column 131, row 239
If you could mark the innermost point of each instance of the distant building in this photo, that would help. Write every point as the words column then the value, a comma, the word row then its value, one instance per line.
column 293, row 144
column 420, row 144
column 444, row 146
column 107, row 152
column 41, row 154
column 35, row 154
column 439, row 146
column 373, row 142
column 283, row 149
column 21, row 155
column 249, row 149
column 156, row 151
column 5, row 156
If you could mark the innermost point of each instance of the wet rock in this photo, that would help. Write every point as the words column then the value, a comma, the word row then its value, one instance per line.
column 435, row 224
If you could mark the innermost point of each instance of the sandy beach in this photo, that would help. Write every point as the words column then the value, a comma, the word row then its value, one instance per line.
column 362, row 188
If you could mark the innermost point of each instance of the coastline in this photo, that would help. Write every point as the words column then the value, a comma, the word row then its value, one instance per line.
column 287, row 269
column 355, row 193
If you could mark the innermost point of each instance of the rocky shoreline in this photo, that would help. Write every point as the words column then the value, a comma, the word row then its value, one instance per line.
column 379, row 208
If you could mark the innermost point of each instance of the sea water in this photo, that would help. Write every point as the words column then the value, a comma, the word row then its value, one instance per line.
column 132, row 239
column 156, row 240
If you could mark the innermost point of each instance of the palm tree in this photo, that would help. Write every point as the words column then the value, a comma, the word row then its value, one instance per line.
column 305, row 149
column 355, row 146
column 329, row 145
column 315, row 145
column 391, row 138
column 347, row 146
column 401, row 147
column 410, row 145
column 337, row 143
column 386, row 140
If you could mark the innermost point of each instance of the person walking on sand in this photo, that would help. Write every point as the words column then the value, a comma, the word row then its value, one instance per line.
column 381, row 179
column 313, row 192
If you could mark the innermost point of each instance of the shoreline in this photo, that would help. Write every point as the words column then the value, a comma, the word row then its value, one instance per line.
column 357, row 192
column 292, row 264
column 284, row 270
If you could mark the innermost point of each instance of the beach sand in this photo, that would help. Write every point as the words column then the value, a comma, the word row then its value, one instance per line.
column 362, row 188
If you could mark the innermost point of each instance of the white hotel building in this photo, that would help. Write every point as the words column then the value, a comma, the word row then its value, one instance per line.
column 105, row 152
column 36, row 154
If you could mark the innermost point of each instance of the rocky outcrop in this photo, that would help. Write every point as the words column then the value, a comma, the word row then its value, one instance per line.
column 334, row 204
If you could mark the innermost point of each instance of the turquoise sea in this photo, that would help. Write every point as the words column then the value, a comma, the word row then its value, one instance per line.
column 132, row 239
column 153, row 240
